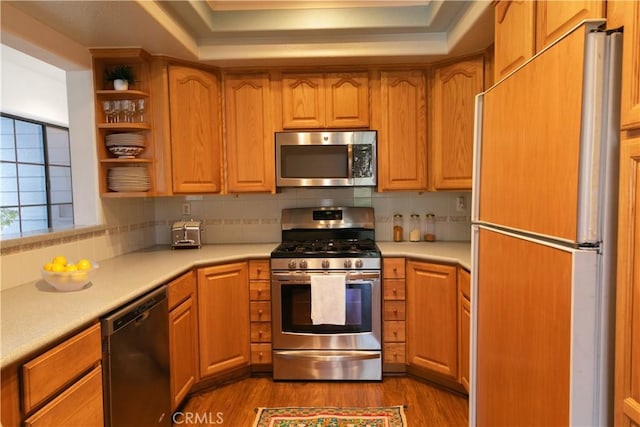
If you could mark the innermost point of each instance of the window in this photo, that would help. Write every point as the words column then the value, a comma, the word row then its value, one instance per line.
column 35, row 176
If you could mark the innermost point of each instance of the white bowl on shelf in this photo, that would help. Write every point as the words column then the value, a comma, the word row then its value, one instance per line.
column 67, row 281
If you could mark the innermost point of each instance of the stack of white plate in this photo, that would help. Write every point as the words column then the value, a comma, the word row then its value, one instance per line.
column 125, row 140
column 128, row 178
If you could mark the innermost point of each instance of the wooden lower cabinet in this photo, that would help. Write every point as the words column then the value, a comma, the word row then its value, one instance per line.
column 627, row 362
column 61, row 386
column 79, row 405
column 432, row 335
column 260, row 314
column 394, row 347
column 223, row 318
column 183, row 336
column 464, row 326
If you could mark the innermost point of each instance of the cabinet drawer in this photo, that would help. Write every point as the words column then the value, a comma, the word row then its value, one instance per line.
column 260, row 354
column 260, row 311
column 260, row 331
column 394, row 353
column 393, row 268
column 394, row 310
column 394, row 331
column 259, row 290
column 180, row 289
column 259, row 269
column 393, row 289
column 79, row 405
column 55, row 369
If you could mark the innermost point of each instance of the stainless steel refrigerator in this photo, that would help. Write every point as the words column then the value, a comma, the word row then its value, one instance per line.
column 543, row 236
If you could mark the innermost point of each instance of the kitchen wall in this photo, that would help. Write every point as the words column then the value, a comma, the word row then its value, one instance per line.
column 129, row 227
column 256, row 218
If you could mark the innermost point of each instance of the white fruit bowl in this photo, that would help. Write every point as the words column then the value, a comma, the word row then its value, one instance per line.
column 66, row 281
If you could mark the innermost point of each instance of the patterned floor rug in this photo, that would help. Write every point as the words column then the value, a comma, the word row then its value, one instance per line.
column 390, row 416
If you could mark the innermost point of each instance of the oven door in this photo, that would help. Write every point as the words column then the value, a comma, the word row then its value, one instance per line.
column 291, row 313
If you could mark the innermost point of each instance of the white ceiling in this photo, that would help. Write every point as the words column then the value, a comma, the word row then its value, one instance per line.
column 238, row 32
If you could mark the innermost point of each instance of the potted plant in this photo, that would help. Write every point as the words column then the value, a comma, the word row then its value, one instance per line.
column 121, row 76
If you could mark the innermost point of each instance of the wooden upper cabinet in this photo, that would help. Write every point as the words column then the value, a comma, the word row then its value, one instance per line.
column 514, row 36
column 452, row 109
column 249, row 133
column 347, row 100
column 627, row 14
column 400, row 116
column 194, row 107
column 325, row 100
column 554, row 18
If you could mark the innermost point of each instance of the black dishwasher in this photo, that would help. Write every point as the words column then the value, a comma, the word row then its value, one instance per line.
column 135, row 359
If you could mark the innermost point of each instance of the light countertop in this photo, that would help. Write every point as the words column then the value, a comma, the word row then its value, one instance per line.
column 34, row 315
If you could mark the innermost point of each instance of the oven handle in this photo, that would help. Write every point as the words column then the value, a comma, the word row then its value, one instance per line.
column 328, row 356
column 302, row 276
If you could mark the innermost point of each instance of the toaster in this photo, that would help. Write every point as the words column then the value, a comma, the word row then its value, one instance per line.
column 186, row 234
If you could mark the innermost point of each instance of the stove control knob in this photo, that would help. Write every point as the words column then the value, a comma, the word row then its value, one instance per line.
column 347, row 263
column 325, row 263
column 292, row 264
column 303, row 264
column 359, row 263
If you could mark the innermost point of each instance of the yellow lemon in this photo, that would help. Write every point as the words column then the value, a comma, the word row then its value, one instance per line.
column 48, row 266
column 60, row 260
column 70, row 267
column 57, row 268
column 84, row 264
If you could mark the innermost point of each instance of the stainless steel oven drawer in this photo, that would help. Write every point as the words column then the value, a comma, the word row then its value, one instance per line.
column 327, row 365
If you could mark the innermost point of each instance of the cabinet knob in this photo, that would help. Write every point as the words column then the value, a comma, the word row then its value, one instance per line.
column 259, row 313
column 395, row 354
column 395, row 270
column 260, row 355
column 395, row 291
column 395, row 333
column 260, row 333
column 395, row 311
column 259, row 292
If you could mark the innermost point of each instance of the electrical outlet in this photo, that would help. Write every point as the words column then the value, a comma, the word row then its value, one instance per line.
column 186, row 209
column 460, row 205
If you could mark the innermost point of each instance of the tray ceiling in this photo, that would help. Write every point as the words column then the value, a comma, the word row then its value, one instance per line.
column 236, row 32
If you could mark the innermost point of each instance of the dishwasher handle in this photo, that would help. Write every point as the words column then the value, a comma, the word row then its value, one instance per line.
column 137, row 311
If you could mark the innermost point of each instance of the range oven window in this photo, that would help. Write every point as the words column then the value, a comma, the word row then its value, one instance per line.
column 296, row 310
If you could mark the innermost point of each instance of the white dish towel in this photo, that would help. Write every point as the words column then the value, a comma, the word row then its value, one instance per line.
column 328, row 305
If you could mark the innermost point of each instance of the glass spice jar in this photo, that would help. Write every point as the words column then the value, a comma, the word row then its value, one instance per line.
column 430, row 228
column 398, row 228
column 414, row 234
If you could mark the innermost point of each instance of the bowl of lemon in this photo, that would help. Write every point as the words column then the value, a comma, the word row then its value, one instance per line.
column 66, row 276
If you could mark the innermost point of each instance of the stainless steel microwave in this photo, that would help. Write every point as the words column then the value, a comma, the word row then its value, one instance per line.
column 326, row 159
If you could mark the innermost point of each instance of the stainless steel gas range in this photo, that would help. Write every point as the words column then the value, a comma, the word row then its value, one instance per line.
column 326, row 296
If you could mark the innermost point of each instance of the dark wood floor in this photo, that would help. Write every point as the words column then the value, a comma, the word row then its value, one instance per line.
column 234, row 404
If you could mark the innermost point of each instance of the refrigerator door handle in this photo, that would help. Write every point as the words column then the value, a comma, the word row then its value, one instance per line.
column 599, row 116
column 477, row 157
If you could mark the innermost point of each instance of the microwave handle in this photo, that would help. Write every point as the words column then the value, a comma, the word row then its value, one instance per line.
column 350, row 162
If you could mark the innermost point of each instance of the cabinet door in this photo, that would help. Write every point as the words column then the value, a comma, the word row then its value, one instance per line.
column 514, row 38
column 195, row 130
column 464, row 325
column 402, row 131
column 627, row 14
column 223, row 318
column 183, row 348
column 347, row 100
column 303, row 101
column 432, row 334
column 249, row 127
column 627, row 375
column 452, row 110
column 554, row 18
column 79, row 405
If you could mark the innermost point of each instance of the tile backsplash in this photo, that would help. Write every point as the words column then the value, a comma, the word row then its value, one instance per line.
column 256, row 218
column 133, row 224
